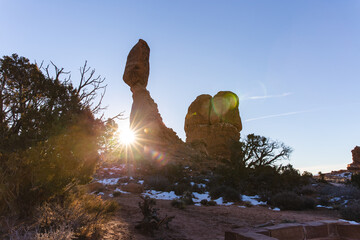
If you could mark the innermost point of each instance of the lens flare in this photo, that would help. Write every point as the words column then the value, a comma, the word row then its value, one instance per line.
column 127, row 136
column 156, row 155
column 222, row 104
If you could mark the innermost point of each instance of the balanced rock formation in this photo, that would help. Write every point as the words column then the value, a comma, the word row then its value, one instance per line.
column 355, row 165
column 213, row 124
column 145, row 118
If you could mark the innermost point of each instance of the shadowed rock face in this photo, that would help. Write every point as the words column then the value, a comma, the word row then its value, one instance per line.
column 137, row 66
column 213, row 124
column 355, row 165
column 145, row 118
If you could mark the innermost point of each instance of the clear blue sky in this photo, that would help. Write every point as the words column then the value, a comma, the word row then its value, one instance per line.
column 294, row 64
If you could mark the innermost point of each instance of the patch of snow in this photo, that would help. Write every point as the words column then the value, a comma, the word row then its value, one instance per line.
column 109, row 181
column 121, row 167
column 111, row 195
column 275, row 209
column 141, row 182
column 321, row 206
column 100, row 193
column 345, row 175
column 197, row 204
column 199, row 185
column 242, row 206
column 335, row 199
column 200, row 196
column 120, row 191
column 351, row 222
column 220, row 201
column 253, row 200
column 161, row 195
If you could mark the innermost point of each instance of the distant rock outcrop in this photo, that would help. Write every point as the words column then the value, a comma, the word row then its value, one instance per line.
column 355, row 165
column 145, row 118
column 213, row 124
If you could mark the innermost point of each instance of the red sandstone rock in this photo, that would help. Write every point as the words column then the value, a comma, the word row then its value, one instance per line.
column 145, row 118
column 355, row 165
column 215, row 122
column 225, row 109
column 137, row 66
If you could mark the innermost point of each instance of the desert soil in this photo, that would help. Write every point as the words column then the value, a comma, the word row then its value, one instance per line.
column 201, row 222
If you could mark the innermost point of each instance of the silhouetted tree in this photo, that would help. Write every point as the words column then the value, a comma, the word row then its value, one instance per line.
column 256, row 151
column 49, row 136
column 252, row 164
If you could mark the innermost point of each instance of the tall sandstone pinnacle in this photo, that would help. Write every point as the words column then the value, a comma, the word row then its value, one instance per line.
column 213, row 124
column 145, row 118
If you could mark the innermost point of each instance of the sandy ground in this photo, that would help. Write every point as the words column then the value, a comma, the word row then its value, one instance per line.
column 195, row 222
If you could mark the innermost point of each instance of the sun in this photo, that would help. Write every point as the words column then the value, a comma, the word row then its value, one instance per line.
column 126, row 136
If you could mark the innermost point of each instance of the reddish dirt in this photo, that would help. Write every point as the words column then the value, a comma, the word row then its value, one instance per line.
column 202, row 222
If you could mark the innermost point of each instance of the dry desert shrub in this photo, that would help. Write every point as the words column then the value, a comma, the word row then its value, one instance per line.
column 61, row 233
column 151, row 221
column 83, row 215
column 76, row 216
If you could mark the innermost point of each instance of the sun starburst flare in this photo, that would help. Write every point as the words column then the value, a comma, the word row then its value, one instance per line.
column 127, row 136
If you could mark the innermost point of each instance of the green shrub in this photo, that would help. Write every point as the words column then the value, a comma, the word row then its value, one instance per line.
column 212, row 203
column 198, row 189
column 351, row 211
column 229, row 194
column 185, row 199
column 50, row 139
column 307, row 190
column 355, row 180
column 116, row 194
column 181, row 187
column 308, row 202
column 287, row 201
column 292, row 201
column 158, row 183
column 171, row 171
column 323, row 200
column 205, row 202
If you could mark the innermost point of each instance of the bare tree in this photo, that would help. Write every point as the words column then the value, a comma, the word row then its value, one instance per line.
column 257, row 150
column 89, row 88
